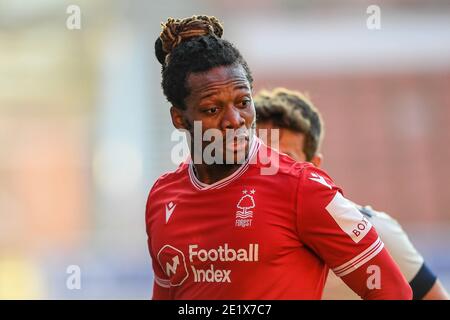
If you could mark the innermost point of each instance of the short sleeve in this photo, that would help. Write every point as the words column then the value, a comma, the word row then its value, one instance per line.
column 332, row 226
column 160, row 277
column 158, row 274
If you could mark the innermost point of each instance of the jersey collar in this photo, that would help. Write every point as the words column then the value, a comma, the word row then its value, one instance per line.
column 254, row 147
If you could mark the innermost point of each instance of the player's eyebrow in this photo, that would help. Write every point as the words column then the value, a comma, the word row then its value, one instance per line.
column 208, row 95
column 240, row 86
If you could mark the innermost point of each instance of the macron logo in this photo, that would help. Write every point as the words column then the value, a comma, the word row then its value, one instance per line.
column 319, row 179
column 169, row 210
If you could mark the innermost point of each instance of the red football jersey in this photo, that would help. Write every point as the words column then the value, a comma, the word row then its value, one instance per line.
column 255, row 234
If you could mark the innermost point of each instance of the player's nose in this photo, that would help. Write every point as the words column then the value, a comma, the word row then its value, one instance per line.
column 232, row 118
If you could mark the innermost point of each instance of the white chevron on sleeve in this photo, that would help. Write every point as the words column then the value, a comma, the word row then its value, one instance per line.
column 319, row 179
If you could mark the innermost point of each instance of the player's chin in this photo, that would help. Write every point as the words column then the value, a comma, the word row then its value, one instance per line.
column 236, row 152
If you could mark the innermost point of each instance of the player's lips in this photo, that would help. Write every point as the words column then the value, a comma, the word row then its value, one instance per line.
column 238, row 143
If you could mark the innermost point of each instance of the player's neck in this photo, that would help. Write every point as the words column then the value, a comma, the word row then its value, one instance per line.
column 211, row 173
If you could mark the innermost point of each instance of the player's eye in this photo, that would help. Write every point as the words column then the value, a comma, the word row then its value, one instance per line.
column 245, row 103
column 212, row 110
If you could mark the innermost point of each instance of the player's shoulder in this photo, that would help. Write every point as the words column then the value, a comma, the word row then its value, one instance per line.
column 290, row 167
column 302, row 176
column 388, row 228
column 165, row 186
column 276, row 162
column 169, row 180
column 380, row 218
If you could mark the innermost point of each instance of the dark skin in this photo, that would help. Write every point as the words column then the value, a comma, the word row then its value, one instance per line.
column 221, row 98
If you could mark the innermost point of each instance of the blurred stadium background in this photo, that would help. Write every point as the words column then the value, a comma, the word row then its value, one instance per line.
column 85, row 130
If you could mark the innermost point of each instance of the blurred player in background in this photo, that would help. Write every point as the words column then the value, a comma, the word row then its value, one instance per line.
column 300, row 134
column 234, row 228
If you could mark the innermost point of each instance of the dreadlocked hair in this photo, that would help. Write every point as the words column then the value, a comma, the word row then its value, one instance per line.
column 291, row 110
column 192, row 45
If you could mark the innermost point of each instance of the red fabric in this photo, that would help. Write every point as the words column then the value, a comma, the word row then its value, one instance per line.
column 256, row 236
column 393, row 284
column 160, row 293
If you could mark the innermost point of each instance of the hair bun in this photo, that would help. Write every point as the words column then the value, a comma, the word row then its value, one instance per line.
column 174, row 31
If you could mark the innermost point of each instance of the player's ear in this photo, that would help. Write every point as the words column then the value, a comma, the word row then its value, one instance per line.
column 317, row 160
column 178, row 119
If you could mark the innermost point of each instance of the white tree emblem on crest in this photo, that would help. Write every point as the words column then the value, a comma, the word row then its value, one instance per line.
column 245, row 204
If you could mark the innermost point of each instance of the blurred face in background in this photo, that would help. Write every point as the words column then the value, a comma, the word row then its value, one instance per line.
column 290, row 142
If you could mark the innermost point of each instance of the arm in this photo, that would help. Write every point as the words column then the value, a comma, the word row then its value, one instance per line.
column 160, row 292
column 421, row 278
column 437, row 292
column 161, row 286
column 337, row 232
column 385, row 283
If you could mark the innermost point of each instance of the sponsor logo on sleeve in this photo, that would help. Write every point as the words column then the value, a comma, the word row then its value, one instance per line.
column 348, row 217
